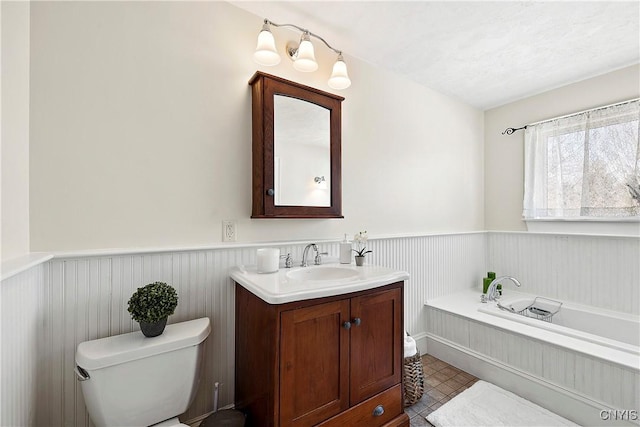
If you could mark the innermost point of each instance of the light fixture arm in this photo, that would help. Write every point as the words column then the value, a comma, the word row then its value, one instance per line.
column 305, row 31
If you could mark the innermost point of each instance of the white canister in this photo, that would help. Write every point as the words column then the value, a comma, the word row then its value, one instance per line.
column 345, row 251
column 268, row 260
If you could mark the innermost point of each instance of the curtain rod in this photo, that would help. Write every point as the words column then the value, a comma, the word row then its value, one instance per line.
column 509, row 131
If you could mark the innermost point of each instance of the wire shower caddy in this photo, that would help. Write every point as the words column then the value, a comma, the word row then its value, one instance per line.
column 536, row 310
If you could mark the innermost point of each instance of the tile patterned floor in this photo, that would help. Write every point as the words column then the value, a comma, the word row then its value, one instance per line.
column 442, row 382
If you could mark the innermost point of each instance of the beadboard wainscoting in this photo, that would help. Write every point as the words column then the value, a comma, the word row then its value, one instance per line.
column 23, row 357
column 437, row 265
column 599, row 271
column 71, row 299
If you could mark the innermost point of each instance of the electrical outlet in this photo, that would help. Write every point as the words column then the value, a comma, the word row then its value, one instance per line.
column 229, row 231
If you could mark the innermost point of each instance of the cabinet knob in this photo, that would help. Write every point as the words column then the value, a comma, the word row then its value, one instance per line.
column 356, row 321
column 270, row 192
column 379, row 410
column 346, row 325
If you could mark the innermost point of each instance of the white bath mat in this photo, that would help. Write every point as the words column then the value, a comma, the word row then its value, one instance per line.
column 485, row 404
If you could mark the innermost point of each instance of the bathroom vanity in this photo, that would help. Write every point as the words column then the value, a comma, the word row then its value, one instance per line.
column 320, row 345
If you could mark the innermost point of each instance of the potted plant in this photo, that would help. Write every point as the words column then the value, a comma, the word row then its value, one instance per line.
column 150, row 306
column 361, row 251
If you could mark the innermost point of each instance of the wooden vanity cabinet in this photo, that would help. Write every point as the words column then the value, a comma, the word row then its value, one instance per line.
column 334, row 361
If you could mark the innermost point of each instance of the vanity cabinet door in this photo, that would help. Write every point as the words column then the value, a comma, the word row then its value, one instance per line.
column 376, row 362
column 314, row 363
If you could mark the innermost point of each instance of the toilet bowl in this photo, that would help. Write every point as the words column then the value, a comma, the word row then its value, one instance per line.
column 131, row 380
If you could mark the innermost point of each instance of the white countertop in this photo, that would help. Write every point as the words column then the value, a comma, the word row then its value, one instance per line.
column 279, row 288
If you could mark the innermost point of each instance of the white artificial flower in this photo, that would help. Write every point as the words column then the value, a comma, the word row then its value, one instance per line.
column 361, row 237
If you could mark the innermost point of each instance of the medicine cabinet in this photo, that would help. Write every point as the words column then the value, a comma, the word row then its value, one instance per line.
column 296, row 150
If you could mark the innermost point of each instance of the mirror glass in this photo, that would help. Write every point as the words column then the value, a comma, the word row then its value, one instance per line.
column 302, row 158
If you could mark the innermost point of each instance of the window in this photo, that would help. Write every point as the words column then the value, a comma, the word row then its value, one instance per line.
column 584, row 166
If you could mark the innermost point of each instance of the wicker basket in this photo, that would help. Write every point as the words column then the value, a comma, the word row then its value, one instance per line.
column 413, row 379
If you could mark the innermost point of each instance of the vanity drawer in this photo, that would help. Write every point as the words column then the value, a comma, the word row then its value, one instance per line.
column 364, row 414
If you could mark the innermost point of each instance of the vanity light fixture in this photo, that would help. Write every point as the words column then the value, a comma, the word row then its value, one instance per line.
column 302, row 54
column 322, row 183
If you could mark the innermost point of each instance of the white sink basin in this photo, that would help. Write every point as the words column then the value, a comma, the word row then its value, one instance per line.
column 321, row 273
column 315, row 281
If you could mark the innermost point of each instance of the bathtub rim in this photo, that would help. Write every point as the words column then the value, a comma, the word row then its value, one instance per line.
column 494, row 310
column 466, row 303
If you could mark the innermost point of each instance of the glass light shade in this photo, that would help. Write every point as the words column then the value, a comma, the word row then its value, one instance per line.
column 266, row 53
column 321, row 183
column 339, row 77
column 305, row 59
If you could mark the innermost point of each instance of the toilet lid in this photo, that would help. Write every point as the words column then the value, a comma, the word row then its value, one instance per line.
column 109, row 351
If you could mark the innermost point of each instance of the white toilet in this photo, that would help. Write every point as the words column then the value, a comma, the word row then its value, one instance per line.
column 132, row 380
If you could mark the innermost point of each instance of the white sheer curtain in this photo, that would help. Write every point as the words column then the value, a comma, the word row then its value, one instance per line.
column 584, row 166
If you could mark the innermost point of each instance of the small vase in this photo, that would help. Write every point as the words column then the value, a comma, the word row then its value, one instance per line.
column 359, row 260
column 153, row 329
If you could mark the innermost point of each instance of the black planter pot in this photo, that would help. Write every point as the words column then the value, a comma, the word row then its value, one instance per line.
column 153, row 329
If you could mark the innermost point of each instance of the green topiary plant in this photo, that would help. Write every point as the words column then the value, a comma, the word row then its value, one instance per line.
column 153, row 302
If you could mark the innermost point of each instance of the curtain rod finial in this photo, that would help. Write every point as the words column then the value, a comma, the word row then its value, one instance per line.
column 509, row 131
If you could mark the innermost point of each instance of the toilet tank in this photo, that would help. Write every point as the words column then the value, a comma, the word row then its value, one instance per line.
column 138, row 381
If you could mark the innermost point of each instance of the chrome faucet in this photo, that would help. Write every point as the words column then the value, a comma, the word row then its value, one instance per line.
column 318, row 259
column 493, row 287
column 288, row 261
column 306, row 252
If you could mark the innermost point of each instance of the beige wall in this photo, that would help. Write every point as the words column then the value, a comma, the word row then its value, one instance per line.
column 504, row 155
column 141, row 134
column 15, row 129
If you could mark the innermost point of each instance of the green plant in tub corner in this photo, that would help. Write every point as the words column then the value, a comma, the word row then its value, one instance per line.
column 151, row 305
column 361, row 244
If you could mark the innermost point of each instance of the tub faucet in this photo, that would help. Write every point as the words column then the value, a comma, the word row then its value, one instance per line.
column 306, row 252
column 493, row 287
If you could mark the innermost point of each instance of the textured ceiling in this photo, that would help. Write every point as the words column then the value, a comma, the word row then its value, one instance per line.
column 484, row 53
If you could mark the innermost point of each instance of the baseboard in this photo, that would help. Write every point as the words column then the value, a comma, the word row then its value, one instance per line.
column 566, row 403
column 421, row 342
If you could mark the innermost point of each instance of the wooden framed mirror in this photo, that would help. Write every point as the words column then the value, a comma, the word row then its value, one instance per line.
column 297, row 153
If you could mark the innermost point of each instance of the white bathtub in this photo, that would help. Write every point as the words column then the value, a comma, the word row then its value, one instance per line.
column 613, row 330
column 584, row 361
